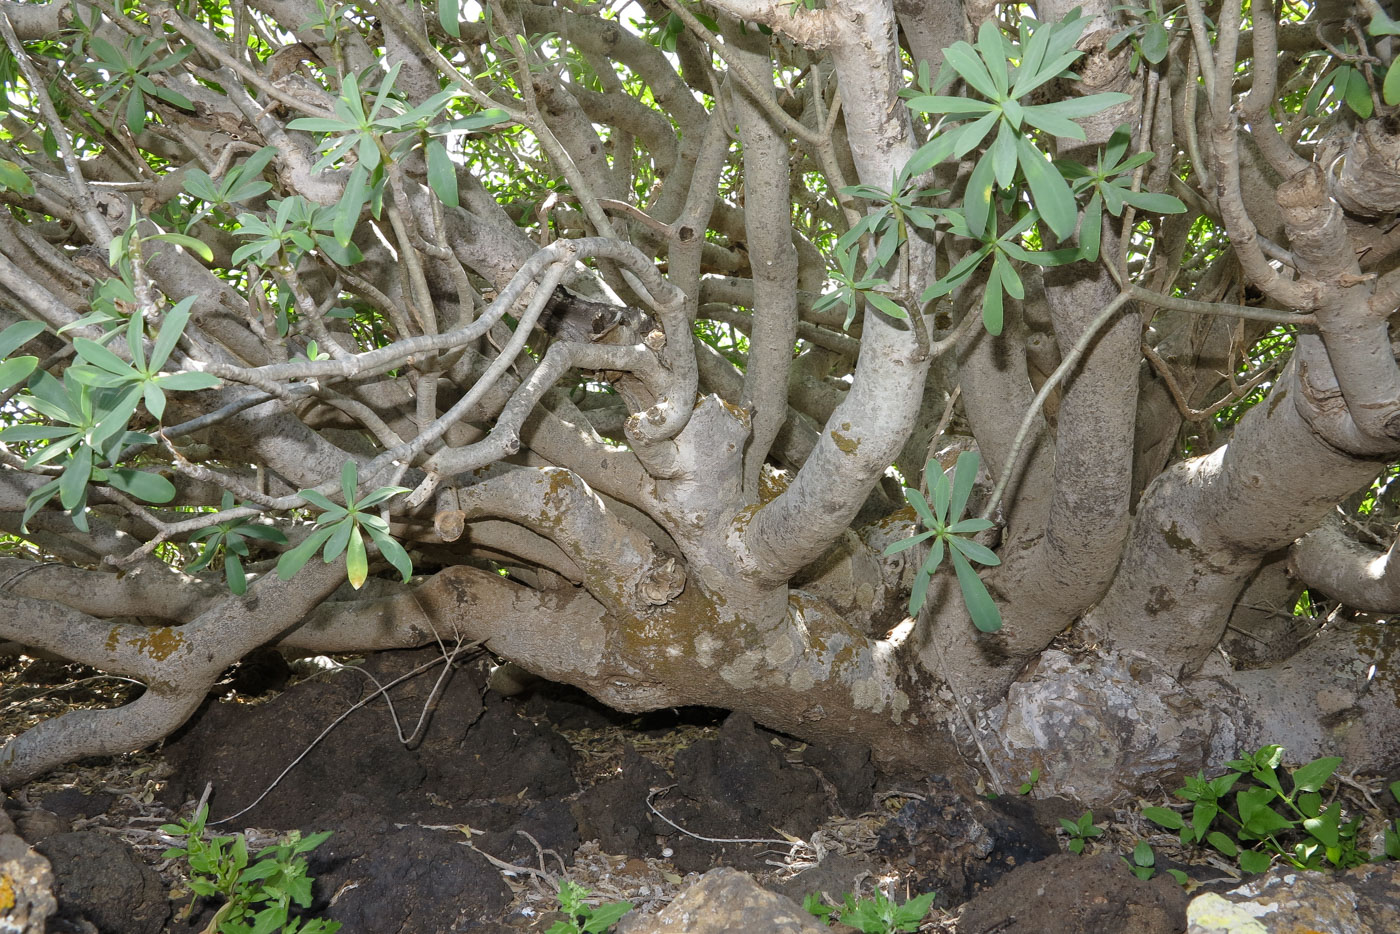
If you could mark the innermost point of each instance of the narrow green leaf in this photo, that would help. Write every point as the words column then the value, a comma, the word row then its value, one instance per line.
column 992, row 303
column 937, row 103
column 1045, row 117
column 293, row 559
column 442, row 173
column 1050, row 191
column 970, row 526
column 970, row 136
column 989, row 47
column 966, row 63
column 198, row 247
column 151, row 487
column 1390, row 90
column 886, row 304
column 17, row 369
column 349, row 480
column 99, row 356
column 72, row 485
column 356, row 562
column 980, row 605
column 1164, row 817
column 973, row 551
column 234, row 575
column 964, row 476
column 918, row 593
column 347, row 211
column 449, row 13
column 135, row 111
column 13, row 178
column 978, row 201
column 380, row 495
column 904, row 544
column 394, row 553
column 17, row 335
column 155, row 400
column 1358, row 95
column 1003, row 155
column 1091, row 228
column 1155, row 202
column 185, row 381
column 916, row 499
column 1314, row 98
column 170, row 330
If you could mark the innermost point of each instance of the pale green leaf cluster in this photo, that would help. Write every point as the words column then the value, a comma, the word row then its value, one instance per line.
column 951, row 535
column 341, row 529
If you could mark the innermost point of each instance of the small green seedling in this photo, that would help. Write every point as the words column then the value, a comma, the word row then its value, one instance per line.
column 583, row 918
column 1080, row 831
column 1270, row 814
column 258, row 898
column 1029, row 784
column 878, row 915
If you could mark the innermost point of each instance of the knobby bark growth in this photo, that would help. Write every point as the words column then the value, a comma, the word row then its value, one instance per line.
column 559, row 307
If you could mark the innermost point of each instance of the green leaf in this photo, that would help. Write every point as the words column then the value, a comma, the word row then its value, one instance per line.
column 978, row 200
column 13, row 178
column 72, row 485
column 1315, row 774
column 449, row 13
column 356, row 562
column 605, row 916
column 442, row 173
column 916, row 499
column 970, row 526
column 15, row 370
column 1051, row 193
column 1155, row 202
column 349, row 480
column 1003, row 153
column 973, row 551
column 1390, row 91
column 393, row 552
column 293, row 559
column 194, row 245
column 135, row 112
column 99, row 356
column 170, row 330
column 937, row 103
column 964, row 60
column 904, row 544
column 964, row 476
column 1254, row 861
column 1154, row 42
column 17, row 335
column 1358, row 94
column 886, row 305
column 1143, row 855
column 990, row 48
column 1164, row 817
column 187, row 380
column 1222, row 843
column 980, row 605
column 347, row 211
column 1091, row 228
column 151, row 488
column 992, row 307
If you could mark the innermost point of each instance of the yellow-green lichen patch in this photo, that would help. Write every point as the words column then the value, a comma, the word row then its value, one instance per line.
column 158, row 644
column 844, row 442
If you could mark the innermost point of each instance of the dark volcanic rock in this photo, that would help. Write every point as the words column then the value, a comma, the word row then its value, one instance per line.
column 957, row 846
column 99, row 878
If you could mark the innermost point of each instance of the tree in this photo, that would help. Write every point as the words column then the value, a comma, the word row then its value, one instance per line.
column 607, row 333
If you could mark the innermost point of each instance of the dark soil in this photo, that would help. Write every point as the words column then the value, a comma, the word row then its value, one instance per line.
column 462, row 827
